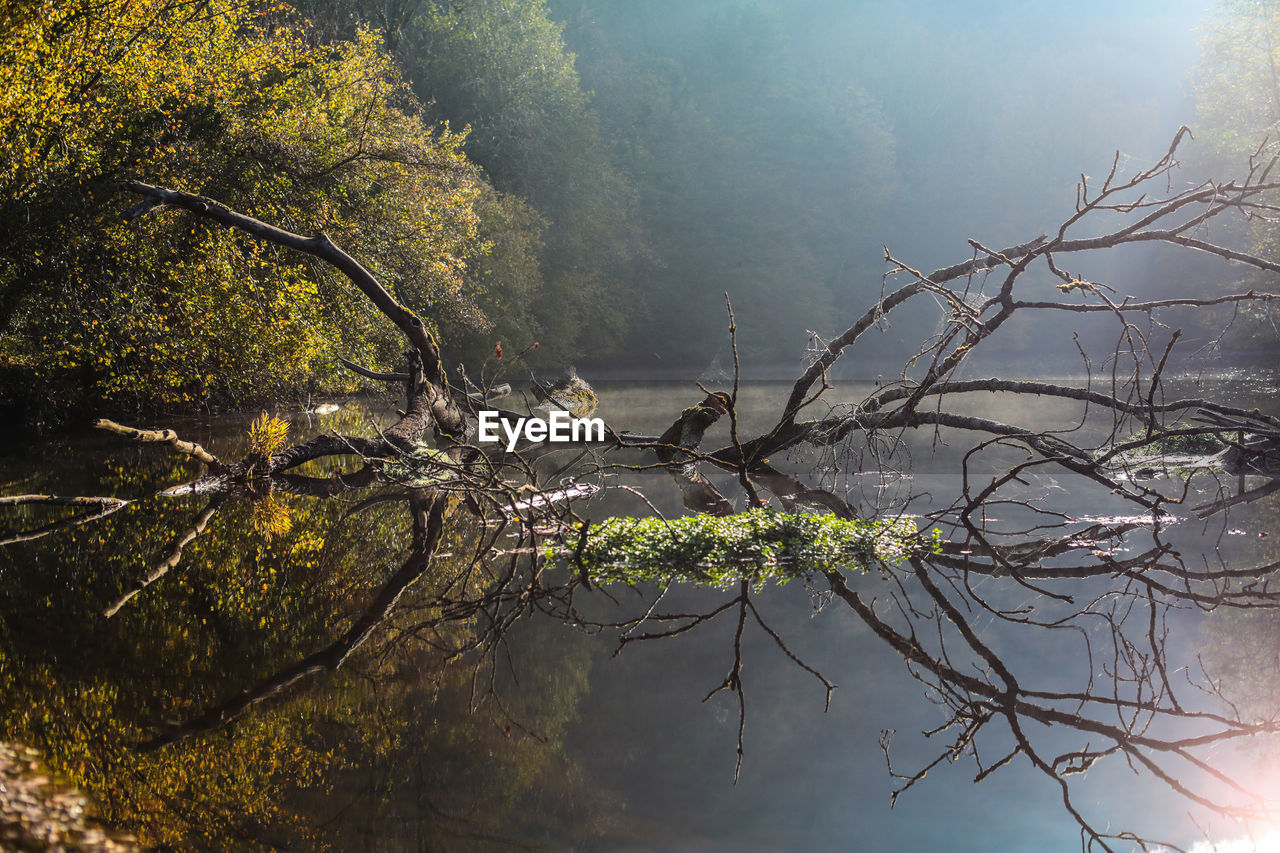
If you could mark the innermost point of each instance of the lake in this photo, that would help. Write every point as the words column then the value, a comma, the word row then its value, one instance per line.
column 465, row 728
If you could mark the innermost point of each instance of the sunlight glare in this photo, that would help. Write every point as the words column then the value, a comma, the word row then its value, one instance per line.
column 1268, row 843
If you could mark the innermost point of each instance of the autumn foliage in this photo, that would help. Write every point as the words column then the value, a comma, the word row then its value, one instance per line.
column 241, row 103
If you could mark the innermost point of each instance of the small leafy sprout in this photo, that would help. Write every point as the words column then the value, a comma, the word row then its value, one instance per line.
column 267, row 435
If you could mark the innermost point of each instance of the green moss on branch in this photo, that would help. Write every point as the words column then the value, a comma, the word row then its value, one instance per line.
column 759, row 545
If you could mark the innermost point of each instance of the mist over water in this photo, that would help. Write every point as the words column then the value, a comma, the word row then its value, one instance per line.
column 776, row 147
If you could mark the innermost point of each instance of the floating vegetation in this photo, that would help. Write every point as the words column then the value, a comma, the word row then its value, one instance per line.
column 758, row 545
column 1174, row 453
column 1175, row 444
column 1190, row 444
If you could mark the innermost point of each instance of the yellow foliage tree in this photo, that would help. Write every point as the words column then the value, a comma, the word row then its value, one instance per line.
column 234, row 101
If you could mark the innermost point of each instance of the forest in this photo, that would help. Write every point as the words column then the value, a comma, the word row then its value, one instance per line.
column 935, row 367
column 583, row 176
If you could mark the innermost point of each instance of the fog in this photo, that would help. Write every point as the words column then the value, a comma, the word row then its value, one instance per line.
column 775, row 147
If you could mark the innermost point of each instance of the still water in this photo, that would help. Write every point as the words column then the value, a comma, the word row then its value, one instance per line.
column 546, row 736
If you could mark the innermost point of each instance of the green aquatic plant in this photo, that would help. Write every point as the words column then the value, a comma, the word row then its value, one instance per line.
column 1175, row 452
column 1202, row 444
column 758, row 545
column 421, row 467
column 1185, row 444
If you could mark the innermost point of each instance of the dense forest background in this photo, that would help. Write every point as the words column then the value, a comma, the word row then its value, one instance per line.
column 590, row 175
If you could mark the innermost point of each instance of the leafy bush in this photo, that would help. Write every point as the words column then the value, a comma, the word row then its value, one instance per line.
column 236, row 101
column 757, row 545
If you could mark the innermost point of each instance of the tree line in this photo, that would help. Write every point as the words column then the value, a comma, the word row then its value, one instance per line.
column 584, row 175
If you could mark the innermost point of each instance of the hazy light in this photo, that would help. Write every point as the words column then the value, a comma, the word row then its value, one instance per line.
column 1268, row 843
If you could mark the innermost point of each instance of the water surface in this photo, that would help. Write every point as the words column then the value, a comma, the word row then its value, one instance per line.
column 547, row 739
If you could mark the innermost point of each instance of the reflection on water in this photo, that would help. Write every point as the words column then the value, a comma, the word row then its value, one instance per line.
column 329, row 667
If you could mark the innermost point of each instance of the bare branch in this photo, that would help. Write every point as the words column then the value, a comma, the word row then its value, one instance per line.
column 161, row 436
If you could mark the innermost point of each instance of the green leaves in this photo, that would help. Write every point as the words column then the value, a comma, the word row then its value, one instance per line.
column 758, row 545
column 238, row 102
column 267, row 435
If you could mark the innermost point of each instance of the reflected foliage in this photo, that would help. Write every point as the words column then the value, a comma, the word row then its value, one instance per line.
column 87, row 690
